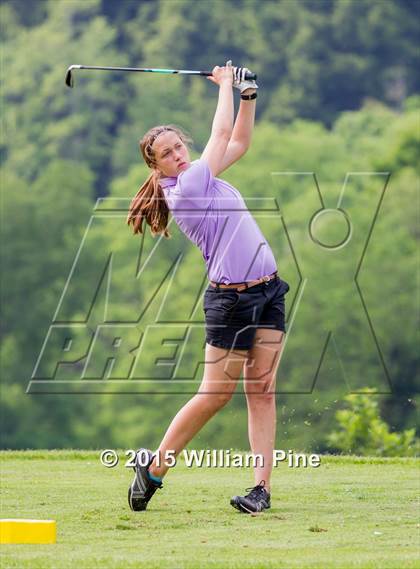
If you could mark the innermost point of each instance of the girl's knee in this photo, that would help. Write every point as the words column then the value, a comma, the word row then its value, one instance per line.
column 260, row 391
column 216, row 401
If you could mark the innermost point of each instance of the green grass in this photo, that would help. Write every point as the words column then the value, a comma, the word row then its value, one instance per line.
column 349, row 512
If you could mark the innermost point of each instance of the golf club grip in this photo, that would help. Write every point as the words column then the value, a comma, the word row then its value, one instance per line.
column 249, row 76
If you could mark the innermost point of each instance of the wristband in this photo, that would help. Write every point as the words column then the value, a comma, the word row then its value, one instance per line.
column 249, row 97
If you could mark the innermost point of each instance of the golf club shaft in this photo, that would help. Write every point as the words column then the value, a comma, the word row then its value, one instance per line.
column 69, row 78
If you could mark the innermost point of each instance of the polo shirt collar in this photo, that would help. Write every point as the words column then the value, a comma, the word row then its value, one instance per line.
column 168, row 181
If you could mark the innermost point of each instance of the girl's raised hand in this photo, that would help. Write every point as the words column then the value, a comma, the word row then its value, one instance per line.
column 222, row 74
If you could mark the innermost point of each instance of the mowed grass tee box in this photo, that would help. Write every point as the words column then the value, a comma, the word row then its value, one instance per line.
column 349, row 512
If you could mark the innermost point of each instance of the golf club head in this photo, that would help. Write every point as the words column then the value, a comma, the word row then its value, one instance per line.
column 69, row 77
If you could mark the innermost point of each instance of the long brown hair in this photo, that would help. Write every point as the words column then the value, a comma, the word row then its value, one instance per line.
column 149, row 203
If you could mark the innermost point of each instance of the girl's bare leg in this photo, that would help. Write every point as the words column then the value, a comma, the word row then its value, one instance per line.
column 260, row 384
column 222, row 370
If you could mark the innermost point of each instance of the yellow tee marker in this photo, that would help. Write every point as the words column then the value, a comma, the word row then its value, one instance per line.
column 28, row 531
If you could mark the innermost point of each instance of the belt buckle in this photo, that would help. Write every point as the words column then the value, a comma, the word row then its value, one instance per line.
column 266, row 279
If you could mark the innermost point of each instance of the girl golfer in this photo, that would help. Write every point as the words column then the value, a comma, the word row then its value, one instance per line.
column 244, row 301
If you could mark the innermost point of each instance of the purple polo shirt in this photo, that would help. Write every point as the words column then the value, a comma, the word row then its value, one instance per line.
column 214, row 216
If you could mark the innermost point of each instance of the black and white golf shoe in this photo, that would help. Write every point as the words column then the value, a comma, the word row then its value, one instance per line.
column 142, row 488
column 256, row 501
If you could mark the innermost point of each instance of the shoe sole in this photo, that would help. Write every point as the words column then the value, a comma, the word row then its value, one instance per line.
column 130, row 503
column 130, row 494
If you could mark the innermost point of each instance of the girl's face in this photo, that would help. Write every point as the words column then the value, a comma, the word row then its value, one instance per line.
column 171, row 154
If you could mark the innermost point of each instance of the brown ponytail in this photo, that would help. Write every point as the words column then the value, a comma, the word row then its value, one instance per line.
column 149, row 203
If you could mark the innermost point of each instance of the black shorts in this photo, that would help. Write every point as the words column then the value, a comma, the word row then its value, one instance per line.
column 232, row 317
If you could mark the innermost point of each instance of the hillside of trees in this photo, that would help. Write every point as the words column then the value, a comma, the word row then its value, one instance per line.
column 339, row 99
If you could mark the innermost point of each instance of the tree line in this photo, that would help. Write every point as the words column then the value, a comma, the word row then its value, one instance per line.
column 338, row 94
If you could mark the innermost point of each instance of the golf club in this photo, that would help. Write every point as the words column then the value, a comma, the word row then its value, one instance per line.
column 70, row 81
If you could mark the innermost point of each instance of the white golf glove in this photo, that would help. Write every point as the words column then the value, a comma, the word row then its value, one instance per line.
column 239, row 81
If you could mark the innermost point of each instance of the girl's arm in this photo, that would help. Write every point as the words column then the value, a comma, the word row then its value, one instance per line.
column 221, row 131
column 240, row 140
column 244, row 124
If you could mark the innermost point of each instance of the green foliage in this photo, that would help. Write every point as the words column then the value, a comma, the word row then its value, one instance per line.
column 404, row 150
column 338, row 93
column 363, row 432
